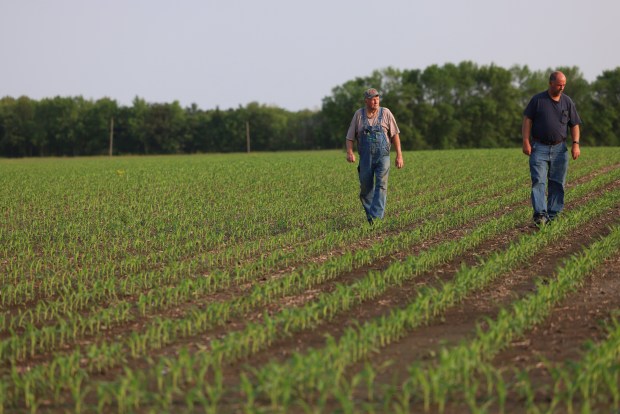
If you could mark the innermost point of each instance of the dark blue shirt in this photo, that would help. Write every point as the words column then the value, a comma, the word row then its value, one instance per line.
column 550, row 119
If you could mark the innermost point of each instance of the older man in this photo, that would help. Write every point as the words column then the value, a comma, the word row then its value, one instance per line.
column 374, row 128
column 546, row 121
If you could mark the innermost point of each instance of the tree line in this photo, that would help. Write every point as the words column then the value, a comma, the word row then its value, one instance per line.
column 441, row 107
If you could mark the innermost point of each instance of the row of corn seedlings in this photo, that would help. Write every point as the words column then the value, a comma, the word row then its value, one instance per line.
column 454, row 375
column 35, row 340
column 14, row 347
column 79, row 294
column 303, row 372
column 130, row 265
column 153, row 299
column 342, row 353
column 127, row 269
column 282, row 384
column 16, row 294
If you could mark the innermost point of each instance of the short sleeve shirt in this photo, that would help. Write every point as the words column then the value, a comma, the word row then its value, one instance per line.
column 550, row 119
column 388, row 123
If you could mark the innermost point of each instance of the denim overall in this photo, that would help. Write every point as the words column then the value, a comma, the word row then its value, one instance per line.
column 374, row 166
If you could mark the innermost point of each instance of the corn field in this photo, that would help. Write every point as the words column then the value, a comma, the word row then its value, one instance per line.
column 252, row 283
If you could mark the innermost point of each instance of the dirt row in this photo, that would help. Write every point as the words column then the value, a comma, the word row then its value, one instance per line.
column 402, row 295
column 445, row 332
column 393, row 298
column 579, row 318
column 455, row 325
column 458, row 323
column 200, row 341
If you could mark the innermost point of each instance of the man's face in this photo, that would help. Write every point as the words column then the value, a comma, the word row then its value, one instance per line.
column 372, row 103
column 557, row 86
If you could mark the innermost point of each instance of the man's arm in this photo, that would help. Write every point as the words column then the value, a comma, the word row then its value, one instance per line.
column 575, row 134
column 350, row 153
column 526, row 130
column 399, row 154
column 351, row 136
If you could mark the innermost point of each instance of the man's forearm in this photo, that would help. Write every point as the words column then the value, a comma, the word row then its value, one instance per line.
column 526, row 129
column 349, row 145
column 575, row 133
column 396, row 142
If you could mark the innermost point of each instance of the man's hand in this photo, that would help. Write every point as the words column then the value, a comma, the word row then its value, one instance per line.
column 527, row 148
column 350, row 156
column 575, row 151
column 399, row 161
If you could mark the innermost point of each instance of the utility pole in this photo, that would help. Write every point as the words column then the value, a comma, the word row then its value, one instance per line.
column 111, row 135
column 247, row 135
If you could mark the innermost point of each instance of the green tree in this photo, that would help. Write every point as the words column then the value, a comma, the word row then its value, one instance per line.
column 528, row 83
column 410, row 110
column 490, row 109
column 305, row 129
column 268, row 127
column 604, row 121
column 137, row 125
column 451, row 106
column 164, row 125
column 94, row 133
column 226, row 131
column 60, row 118
column 19, row 131
column 339, row 108
column 196, row 130
column 441, row 126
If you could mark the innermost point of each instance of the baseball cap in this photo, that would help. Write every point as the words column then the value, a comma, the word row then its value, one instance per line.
column 371, row 93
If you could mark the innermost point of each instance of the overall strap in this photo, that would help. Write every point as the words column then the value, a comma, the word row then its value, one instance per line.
column 364, row 117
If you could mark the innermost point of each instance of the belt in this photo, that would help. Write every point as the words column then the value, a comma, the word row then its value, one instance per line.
column 547, row 142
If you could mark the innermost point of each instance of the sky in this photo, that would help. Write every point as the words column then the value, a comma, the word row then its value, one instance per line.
column 285, row 53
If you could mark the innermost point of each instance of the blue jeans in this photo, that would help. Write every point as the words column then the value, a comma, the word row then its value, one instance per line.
column 374, row 168
column 548, row 167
